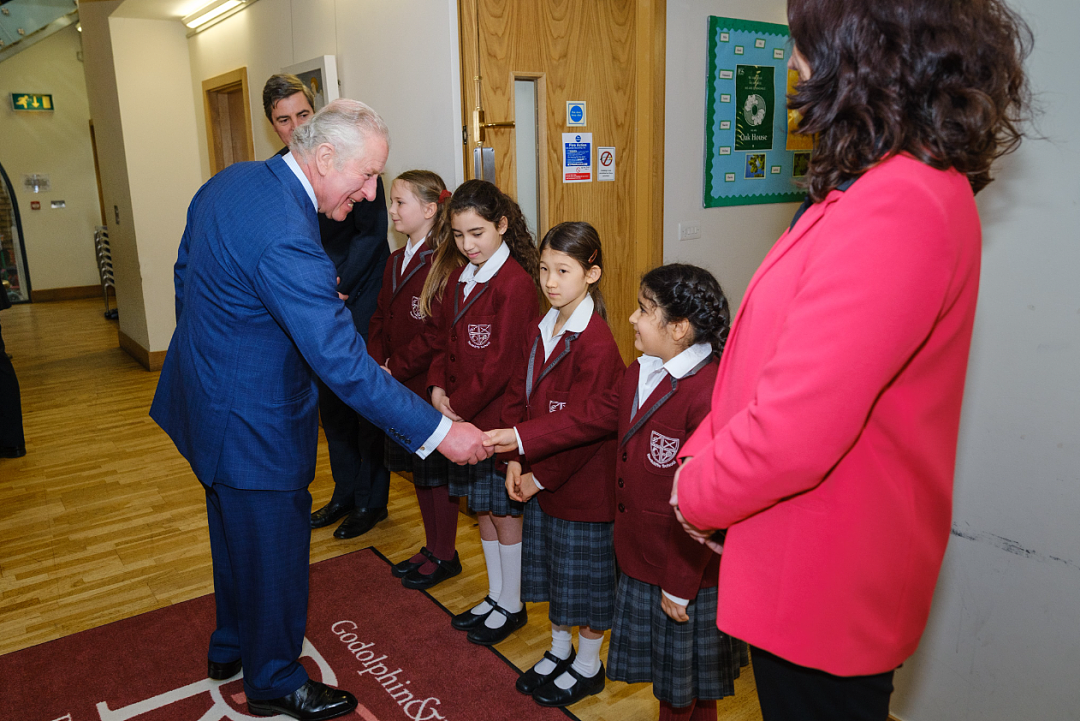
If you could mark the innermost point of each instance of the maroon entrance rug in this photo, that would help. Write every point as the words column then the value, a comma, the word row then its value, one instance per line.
column 393, row 648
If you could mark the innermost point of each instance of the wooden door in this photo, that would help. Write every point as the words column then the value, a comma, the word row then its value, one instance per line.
column 228, row 120
column 609, row 54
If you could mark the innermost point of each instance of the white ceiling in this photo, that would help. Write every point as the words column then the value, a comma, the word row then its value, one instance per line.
column 158, row 9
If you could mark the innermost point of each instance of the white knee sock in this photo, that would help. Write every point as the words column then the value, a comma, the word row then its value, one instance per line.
column 510, row 593
column 562, row 645
column 494, row 573
column 587, row 662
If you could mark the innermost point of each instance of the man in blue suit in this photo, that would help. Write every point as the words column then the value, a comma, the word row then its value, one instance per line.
column 257, row 320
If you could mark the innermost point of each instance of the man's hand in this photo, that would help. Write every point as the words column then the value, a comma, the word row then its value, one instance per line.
column 464, row 444
column 674, row 611
column 441, row 401
column 701, row 535
column 503, row 440
column 341, row 295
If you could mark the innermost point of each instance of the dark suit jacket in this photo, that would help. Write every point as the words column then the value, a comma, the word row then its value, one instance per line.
column 257, row 320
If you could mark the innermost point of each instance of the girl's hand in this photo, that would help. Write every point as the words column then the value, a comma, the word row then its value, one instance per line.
column 674, row 611
column 503, row 439
column 527, row 487
column 441, row 401
column 383, row 366
column 341, row 295
column 513, row 480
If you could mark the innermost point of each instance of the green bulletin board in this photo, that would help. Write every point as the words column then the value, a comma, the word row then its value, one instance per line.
column 750, row 156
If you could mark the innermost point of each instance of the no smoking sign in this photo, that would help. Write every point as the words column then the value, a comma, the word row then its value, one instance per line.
column 605, row 161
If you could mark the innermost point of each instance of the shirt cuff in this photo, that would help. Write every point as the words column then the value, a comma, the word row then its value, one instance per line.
column 676, row 599
column 536, row 481
column 521, row 446
column 435, row 438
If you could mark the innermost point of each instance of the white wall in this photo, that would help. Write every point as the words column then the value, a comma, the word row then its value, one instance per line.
column 59, row 243
column 733, row 240
column 1004, row 637
column 152, row 76
column 401, row 58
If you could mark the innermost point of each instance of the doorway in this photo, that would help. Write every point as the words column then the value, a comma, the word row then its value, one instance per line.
column 228, row 120
column 522, row 61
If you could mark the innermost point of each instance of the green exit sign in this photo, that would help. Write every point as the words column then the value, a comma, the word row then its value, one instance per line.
column 31, row 101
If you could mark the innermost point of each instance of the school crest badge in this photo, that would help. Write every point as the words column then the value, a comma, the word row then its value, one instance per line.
column 556, row 406
column 662, row 450
column 415, row 310
column 479, row 335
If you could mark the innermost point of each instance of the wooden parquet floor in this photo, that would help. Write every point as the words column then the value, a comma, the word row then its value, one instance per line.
column 103, row 519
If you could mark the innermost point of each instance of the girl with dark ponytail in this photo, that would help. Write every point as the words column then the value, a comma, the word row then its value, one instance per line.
column 664, row 629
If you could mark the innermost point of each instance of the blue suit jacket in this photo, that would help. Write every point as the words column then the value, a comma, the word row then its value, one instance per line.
column 257, row 318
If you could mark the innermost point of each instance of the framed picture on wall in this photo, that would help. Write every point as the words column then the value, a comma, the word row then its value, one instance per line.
column 319, row 74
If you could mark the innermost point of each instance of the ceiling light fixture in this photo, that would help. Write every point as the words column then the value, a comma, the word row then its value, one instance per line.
column 210, row 11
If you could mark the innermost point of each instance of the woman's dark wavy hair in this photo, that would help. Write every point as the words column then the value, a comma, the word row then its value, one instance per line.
column 580, row 241
column 686, row 291
column 942, row 80
column 492, row 205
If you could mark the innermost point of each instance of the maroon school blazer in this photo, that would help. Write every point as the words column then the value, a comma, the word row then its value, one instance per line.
column 577, row 482
column 480, row 337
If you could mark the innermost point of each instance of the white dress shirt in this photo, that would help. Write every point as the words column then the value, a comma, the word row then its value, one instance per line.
column 445, row 424
column 410, row 251
column 473, row 275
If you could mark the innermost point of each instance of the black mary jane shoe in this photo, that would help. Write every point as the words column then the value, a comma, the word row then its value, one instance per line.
column 313, row 701
column 403, row 569
column 222, row 671
column 484, row 636
column 551, row 695
column 331, row 512
column 529, row 681
column 467, row 620
column 443, row 570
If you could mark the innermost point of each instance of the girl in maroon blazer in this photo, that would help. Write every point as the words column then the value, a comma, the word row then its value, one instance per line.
column 397, row 340
column 488, row 305
column 569, row 558
column 663, row 629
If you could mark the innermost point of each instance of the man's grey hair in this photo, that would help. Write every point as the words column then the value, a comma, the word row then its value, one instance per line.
column 345, row 124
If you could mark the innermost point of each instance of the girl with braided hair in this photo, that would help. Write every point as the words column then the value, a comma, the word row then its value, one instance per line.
column 665, row 606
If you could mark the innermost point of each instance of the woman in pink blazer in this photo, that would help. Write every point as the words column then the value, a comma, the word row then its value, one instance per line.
column 829, row 450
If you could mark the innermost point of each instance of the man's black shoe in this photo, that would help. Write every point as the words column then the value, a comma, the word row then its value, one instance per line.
column 329, row 513
column 313, row 701
column 360, row 521
column 551, row 695
column 484, row 636
column 403, row 569
column 529, row 681
column 12, row 451
column 443, row 570
column 467, row 620
column 221, row 671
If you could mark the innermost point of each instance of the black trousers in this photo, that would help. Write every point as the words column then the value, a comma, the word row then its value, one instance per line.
column 789, row 692
column 356, row 454
column 11, row 425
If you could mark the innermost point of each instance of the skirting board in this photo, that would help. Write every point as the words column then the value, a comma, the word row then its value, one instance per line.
column 72, row 293
column 150, row 360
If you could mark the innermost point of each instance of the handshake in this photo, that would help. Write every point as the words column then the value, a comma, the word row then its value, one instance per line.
column 465, row 443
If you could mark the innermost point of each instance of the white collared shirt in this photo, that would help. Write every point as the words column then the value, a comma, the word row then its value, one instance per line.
column 653, row 370
column 410, row 251
column 576, row 323
column 471, row 276
column 295, row 167
column 445, row 424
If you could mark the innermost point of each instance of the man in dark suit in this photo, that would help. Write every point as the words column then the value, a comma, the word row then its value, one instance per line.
column 257, row 320
column 358, row 248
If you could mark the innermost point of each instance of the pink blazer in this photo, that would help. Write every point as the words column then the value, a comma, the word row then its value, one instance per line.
column 830, row 446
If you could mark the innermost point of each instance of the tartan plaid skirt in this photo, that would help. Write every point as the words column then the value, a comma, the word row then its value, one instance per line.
column 484, row 486
column 684, row 661
column 571, row 565
column 426, row 472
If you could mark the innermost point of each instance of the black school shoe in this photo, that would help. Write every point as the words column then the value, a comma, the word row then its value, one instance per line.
column 403, row 569
column 529, row 681
column 467, row 620
column 551, row 695
column 443, row 570
column 484, row 636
